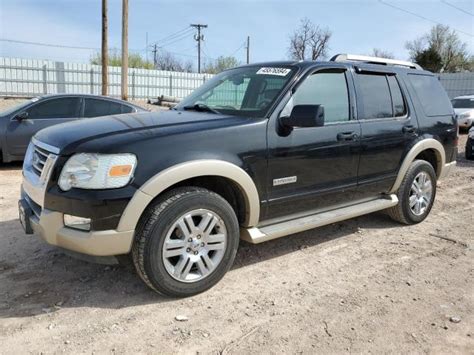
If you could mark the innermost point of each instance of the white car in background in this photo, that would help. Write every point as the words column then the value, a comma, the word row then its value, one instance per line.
column 464, row 110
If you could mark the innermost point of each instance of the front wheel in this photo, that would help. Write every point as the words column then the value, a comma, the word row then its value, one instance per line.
column 186, row 242
column 416, row 194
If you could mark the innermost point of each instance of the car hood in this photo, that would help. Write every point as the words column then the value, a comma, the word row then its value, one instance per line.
column 66, row 136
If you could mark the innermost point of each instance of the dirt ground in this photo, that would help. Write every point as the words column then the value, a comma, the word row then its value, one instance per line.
column 367, row 285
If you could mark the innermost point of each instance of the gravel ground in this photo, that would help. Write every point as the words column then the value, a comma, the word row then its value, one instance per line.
column 367, row 285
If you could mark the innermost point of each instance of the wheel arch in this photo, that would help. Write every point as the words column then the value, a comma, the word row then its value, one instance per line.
column 198, row 169
column 428, row 149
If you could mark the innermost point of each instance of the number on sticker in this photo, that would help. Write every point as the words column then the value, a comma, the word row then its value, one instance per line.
column 273, row 71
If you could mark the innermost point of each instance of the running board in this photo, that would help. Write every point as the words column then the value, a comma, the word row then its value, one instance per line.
column 257, row 235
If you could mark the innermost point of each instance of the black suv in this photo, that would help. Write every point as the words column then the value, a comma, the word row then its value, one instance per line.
column 258, row 152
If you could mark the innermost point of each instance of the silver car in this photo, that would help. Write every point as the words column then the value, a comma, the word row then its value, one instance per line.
column 464, row 109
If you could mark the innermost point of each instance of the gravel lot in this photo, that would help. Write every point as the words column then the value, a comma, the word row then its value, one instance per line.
column 365, row 285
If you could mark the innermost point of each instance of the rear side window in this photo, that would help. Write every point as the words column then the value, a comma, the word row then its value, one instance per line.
column 375, row 96
column 67, row 107
column 399, row 108
column 96, row 108
column 430, row 93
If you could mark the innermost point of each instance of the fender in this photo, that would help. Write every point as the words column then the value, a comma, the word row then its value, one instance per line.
column 428, row 143
column 177, row 173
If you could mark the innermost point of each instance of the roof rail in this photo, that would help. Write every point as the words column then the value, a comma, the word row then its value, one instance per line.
column 374, row 60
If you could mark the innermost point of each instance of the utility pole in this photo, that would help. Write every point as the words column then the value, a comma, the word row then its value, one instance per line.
column 199, row 38
column 155, row 50
column 124, row 81
column 105, row 50
column 248, row 49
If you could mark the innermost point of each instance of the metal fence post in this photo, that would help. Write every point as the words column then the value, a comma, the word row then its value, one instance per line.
column 92, row 81
column 171, row 85
column 45, row 80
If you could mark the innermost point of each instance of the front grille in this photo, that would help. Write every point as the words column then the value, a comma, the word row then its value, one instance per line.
column 39, row 160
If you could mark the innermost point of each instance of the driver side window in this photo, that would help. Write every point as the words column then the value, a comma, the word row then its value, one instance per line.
column 326, row 88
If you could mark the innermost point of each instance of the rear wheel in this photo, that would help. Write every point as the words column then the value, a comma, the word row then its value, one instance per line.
column 186, row 242
column 416, row 194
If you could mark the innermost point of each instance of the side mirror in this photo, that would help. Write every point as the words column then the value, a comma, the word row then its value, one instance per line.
column 21, row 116
column 304, row 116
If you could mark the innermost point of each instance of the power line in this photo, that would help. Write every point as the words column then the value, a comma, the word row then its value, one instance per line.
column 457, row 8
column 46, row 44
column 9, row 40
column 180, row 34
column 238, row 49
column 422, row 17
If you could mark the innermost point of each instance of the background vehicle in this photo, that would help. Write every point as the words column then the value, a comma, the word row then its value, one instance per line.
column 464, row 109
column 257, row 152
column 20, row 123
column 470, row 145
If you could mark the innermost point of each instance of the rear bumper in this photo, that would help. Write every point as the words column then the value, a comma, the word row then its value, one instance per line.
column 447, row 169
column 465, row 122
column 49, row 225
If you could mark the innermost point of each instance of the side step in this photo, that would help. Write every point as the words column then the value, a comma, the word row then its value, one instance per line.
column 257, row 235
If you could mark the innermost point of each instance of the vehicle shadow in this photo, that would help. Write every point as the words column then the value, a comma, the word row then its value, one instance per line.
column 16, row 165
column 37, row 278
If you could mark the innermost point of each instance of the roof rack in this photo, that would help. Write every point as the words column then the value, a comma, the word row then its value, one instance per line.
column 374, row 60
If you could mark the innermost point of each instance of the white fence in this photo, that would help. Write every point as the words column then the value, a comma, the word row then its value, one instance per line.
column 31, row 77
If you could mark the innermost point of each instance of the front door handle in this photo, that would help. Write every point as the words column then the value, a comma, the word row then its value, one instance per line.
column 409, row 129
column 347, row 136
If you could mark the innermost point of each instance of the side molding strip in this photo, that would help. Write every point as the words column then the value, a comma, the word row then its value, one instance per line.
column 175, row 174
column 259, row 235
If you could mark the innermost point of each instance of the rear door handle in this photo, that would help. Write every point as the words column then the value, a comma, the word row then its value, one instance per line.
column 347, row 136
column 409, row 129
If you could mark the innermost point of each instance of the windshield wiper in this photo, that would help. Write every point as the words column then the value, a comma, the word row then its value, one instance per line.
column 200, row 108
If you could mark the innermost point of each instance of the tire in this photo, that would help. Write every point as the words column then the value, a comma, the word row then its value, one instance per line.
column 469, row 150
column 404, row 212
column 212, row 249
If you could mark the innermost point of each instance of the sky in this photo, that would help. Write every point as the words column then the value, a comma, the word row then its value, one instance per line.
column 357, row 26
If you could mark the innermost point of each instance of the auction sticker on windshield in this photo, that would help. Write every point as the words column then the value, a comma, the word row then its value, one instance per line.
column 274, row 71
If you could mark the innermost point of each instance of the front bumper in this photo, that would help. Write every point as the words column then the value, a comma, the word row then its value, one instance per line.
column 50, row 226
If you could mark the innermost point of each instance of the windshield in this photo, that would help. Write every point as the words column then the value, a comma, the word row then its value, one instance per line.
column 246, row 91
column 463, row 103
column 18, row 107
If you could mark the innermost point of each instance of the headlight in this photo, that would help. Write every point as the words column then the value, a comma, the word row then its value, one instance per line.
column 465, row 115
column 97, row 171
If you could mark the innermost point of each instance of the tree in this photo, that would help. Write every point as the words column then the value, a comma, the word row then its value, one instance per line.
column 115, row 60
column 381, row 53
column 430, row 60
column 167, row 61
column 309, row 41
column 440, row 49
column 222, row 63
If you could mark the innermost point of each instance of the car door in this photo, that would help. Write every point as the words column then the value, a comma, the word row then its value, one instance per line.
column 315, row 168
column 387, row 126
column 100, row 107
column 43, row 114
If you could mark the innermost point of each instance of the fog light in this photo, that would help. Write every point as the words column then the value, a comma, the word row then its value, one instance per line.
column 77, row 222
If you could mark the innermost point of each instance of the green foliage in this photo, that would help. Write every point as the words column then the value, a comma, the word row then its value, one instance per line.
column 441, row 50
column 135, row 60
column 222, row 63
column 430, row 60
